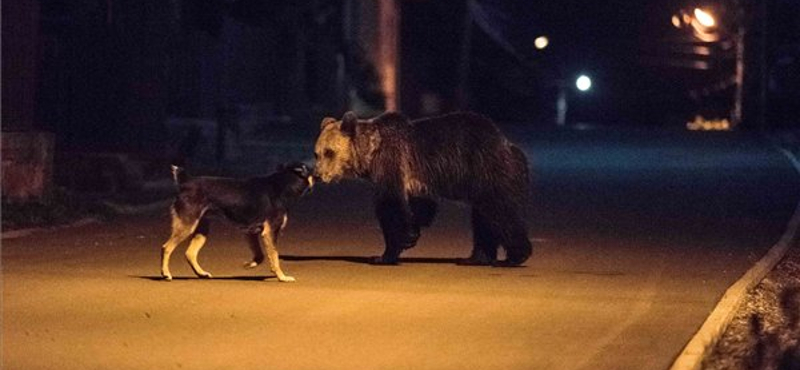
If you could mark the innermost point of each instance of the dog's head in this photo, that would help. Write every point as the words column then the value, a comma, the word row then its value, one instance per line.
column 304, row 174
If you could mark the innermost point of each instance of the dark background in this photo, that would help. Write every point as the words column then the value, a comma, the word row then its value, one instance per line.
column 109, row 74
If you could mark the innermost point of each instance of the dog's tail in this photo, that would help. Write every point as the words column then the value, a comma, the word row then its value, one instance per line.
column 179, row 175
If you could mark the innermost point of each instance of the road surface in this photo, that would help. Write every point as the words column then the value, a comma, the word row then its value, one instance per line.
column 636, row 236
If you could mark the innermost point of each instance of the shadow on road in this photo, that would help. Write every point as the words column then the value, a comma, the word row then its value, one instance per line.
column 367, row 260
column 241, row 278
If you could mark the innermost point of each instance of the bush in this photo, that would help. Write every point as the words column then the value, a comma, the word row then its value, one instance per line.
column 57, row 206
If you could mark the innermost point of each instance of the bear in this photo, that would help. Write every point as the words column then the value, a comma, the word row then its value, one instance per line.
column 459, row 156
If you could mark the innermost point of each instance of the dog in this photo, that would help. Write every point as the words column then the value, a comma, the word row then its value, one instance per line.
column 259, row 205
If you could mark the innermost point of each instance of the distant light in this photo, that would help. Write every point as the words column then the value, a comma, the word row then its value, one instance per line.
column 541, row 42
column 676, row 21
column 705, row 18
column 583, row 83
column 702, row 124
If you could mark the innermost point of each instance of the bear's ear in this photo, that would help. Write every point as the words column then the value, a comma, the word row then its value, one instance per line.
column 349, row 122
column 326, row 121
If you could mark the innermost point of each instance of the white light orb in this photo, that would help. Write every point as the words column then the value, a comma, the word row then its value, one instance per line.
column 541, row 42
column 583, row 83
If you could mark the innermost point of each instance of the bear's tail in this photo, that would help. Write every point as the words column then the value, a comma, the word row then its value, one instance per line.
column 179, row 175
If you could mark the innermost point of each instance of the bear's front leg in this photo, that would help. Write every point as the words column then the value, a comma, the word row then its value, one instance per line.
column 399, row 233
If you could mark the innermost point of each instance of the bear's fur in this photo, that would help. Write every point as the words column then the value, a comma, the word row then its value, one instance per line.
column 458, row 156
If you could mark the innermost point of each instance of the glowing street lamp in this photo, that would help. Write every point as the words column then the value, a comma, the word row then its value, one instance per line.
column 709, row 27
column 541, row 42
column 676, row 21
column 583, row 83
column 704, row 18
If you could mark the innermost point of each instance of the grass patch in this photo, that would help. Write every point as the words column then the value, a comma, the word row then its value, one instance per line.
column 765, row 333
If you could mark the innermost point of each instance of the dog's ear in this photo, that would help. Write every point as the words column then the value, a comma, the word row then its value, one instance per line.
column 349, row 122
column 301, row 169
column 326, row 122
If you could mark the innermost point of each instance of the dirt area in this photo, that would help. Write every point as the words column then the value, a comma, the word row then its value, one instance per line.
column 765, row 333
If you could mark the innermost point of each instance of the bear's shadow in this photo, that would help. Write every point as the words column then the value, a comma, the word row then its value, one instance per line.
column 351, row 259
column 368, row 260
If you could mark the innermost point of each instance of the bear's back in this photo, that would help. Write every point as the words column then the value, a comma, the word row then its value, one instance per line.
column 460, row 154
column 461, row 130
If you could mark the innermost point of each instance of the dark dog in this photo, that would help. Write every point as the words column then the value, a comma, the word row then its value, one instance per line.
column 258, row 204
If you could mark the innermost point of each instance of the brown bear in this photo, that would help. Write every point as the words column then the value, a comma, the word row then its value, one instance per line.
column 457, row 156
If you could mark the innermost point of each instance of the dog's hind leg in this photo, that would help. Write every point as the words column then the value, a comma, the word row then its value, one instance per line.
column 268, row 235
column 181, row 229
column 254, row 241
column 199, row 239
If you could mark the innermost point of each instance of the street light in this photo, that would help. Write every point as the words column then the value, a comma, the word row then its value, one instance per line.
column 704, row 18
column 541, row 42
column 583, row 83
column 676, row 21
column 704, row 25
column 711, row 25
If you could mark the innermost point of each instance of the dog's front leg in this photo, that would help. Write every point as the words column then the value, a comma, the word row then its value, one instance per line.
column 268, row 236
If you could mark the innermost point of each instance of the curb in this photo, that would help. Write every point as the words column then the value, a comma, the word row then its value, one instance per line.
column 691, row 358
column 120, row 209
column 129, row 210
column 117, row 208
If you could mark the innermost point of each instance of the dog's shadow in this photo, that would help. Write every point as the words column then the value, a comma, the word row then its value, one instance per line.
column 350, row 259
column 239, row 278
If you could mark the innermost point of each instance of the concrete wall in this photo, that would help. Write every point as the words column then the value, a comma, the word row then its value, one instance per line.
column 27, row 164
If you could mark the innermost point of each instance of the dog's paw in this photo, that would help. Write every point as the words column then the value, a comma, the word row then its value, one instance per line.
column 251, row 264
column 166, row 277
column 286, row 279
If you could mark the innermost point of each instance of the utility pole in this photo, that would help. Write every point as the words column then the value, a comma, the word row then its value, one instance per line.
column 763, row 69
column 750, row 97
column 736, row 114
column 561, row 104
column 388, row 57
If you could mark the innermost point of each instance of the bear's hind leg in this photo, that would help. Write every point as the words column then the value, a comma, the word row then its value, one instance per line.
column 484, row 242
column 423, row 211
column 506, row 227
column 513, row 235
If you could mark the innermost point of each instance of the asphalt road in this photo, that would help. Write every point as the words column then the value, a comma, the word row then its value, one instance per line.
column 636, row 236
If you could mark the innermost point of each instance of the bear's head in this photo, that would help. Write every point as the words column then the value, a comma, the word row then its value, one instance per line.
column 335, row 150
